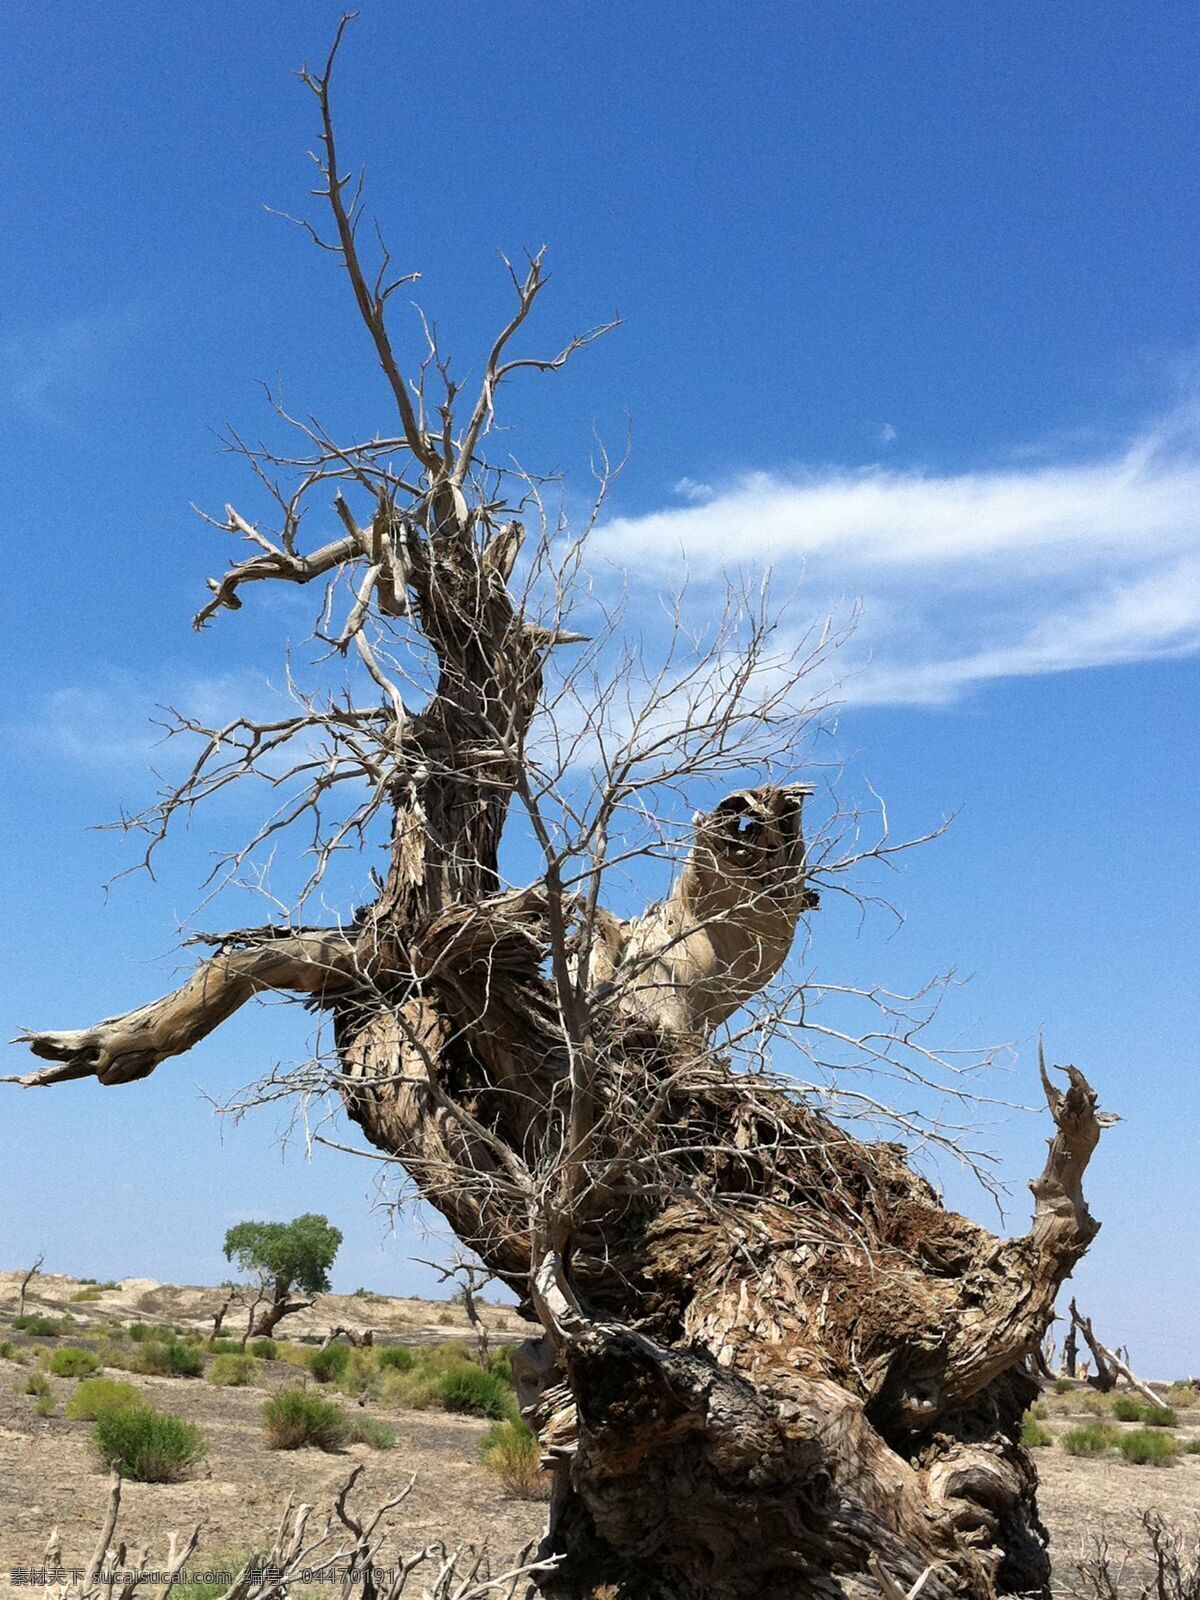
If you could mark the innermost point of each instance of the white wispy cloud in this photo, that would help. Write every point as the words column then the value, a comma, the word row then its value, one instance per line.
column 45, row 366
column 116, row 721
column 964, row 577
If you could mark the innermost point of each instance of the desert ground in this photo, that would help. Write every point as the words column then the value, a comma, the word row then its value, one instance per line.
column 50, row 1475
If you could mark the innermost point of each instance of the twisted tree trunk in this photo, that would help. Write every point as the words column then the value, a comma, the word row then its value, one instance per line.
column 773, row 1362
column 773, row 1365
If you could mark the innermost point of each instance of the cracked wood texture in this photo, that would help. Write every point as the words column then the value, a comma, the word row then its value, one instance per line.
column 774, row 1356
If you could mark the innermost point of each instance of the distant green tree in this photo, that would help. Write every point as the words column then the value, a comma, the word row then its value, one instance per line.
column 282, row 1258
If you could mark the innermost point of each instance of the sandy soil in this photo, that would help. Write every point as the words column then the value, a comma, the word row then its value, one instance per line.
column 49, row 1474
column 144, row 1300
column 49, row 1477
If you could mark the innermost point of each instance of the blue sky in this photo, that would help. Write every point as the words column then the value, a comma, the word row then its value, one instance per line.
column 911, row 311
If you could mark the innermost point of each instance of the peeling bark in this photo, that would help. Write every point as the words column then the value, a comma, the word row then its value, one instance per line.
column 774, row 1365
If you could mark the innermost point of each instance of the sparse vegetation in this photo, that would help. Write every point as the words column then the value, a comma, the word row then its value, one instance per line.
column 40, row 1327
column 1159, row 1417
column 72, row 1362
column 1093, row 1439
column 223, row 1347
column 365, row 1430
column 36, row 1383
column 232, row 1371
column 147, row 1445
column 396, row 1358
column 293, row 1418
column 1145, row 1447
column 210, row 1578
column 1034, row 1436
column 362, row 1375
column 330, row 1363
column 163, row 1358
column 414, row 1390
column 95, row 1397
column 85, row 1294
column 510, row 1450
column 1127, row 1409
column 470, row 1389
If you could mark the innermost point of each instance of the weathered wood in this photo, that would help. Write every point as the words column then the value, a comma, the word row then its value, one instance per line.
column 773, row 1364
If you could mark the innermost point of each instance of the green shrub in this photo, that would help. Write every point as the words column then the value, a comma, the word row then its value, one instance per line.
column 1159, row 1416
column 295, row 1417
column 1127, row 1410
column 71, row 1362
column 1100, row 1405
column 147, row 1445
column 138, row 1331
column 416, row 1390
column 510, row 1449
column 396, row 1357
column 95, row 1396
column 330, row 1363
column 446, row 1319
column 287, row 1351
column 264, row 1349
column 471, row 1389
column 1192, row 1447
column 1033, row 1435
column 85, row 1294
column 1093, row 1439
column 44, row 1406
column 7, row 1350
column 443, row 1357
column 1063, row 1385
column 40, row 1327
column 501, row 1364
column 111, row 1284
column 166, row 1358
column 232, row 1371
column 224, row 1347
column 365, row 1430
column 361, row 1376
column 36, row 1383
column 1145, row 1447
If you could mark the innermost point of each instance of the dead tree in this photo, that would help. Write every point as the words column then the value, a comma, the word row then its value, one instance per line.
column 1070, row 1353
column 347, row 1550
column 1110, row 1364
column 1106, row 1370
column 471, row 1279
column 26, row 1281
column 773, row 1363
column 234, row 1295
